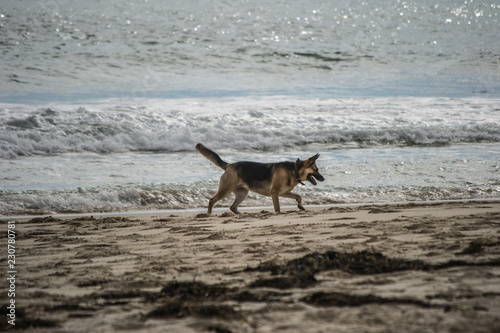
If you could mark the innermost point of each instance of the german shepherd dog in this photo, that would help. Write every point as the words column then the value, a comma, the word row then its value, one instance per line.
column 270, row 179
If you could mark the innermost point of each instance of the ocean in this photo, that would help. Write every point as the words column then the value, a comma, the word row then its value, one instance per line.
column 102, row 102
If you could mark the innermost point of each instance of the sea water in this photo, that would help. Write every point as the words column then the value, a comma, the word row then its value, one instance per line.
column 102, row 102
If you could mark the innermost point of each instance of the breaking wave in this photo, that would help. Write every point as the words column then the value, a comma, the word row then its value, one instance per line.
column 195, row 196
column 241, row 124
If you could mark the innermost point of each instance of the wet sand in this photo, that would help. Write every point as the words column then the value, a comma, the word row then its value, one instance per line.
column 378, row 268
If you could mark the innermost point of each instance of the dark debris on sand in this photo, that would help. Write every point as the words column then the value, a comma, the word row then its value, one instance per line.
column 324, row 299
column 300, row 273
column 182, row 299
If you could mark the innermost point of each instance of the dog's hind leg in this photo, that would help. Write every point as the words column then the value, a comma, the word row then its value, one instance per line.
column 240, row 194
column 227, row 183
column 296, row 197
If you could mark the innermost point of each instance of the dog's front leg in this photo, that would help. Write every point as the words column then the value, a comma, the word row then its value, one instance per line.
column 296, row 197
column 276, row 201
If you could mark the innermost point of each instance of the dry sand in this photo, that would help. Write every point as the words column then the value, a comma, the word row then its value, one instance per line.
column 381, row 268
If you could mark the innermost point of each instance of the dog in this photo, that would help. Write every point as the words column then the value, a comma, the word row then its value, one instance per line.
column 269, row 179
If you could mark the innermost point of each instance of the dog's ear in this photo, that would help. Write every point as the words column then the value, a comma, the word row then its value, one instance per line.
column 313, row 159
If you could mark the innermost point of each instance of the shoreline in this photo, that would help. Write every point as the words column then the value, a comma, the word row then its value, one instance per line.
column 413, row 267
column 219, row 209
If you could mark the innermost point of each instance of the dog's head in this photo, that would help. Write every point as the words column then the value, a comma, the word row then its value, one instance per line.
column 310, row 171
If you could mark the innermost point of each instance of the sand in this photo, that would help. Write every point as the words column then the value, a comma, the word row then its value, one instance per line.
column 429, row 267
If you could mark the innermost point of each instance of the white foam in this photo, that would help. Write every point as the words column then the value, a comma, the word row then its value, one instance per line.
column 266, row 123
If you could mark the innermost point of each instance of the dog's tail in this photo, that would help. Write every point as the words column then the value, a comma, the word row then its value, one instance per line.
column 211, row 156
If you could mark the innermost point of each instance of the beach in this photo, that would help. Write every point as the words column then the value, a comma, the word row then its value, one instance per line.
column 409, row 267
column 103, row 194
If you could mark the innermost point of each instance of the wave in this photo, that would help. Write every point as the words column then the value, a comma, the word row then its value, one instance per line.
column 196, row 196
column 421, row 136
column 102, row 199
column 242, row 124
